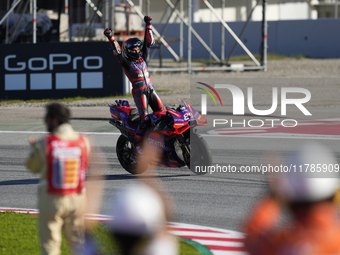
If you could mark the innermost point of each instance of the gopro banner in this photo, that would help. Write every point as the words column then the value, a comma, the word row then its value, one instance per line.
column 59, row 70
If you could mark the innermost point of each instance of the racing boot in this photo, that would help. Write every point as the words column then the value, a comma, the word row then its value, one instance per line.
column 140, row 132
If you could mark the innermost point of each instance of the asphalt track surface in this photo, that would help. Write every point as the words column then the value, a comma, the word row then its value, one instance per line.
column 219, row 200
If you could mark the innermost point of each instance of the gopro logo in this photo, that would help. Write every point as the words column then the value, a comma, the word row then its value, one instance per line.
column 43, row 73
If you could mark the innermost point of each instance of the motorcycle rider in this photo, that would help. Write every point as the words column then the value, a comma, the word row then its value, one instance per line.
column 132, row 58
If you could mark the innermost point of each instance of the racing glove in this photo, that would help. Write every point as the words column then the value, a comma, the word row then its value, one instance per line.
column 108, row 33
column 147, row 20
column 114, row 44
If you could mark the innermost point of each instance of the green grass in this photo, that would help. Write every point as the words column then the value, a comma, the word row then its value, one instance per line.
column 163, row 90
column 19, row 235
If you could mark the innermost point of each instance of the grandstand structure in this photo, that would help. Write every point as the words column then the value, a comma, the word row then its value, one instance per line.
column 85, row 20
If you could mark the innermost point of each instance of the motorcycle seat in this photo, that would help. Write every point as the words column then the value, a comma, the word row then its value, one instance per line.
column 133, row 112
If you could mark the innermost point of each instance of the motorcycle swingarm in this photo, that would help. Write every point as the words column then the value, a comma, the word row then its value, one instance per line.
column 123, row 130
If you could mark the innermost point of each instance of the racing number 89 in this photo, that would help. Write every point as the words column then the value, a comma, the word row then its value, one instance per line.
column 187, row 116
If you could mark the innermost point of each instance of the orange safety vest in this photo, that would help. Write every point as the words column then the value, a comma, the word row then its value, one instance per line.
column 67, row 163
column 315, row 232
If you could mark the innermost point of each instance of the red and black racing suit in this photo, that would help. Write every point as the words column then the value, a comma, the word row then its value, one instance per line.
column 143, row 90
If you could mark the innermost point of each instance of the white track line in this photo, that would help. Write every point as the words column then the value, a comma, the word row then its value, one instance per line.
column 45, row 132
column 316, row 137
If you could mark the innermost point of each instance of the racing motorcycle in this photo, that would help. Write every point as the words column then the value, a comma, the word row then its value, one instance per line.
column 181, row 145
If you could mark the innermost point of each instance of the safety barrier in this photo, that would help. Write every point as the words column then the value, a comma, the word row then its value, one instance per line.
column 59, row 70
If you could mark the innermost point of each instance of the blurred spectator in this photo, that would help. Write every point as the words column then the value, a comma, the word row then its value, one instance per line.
column 139, row 225
column 140, row 212
column 62, row 158
column 314, row 227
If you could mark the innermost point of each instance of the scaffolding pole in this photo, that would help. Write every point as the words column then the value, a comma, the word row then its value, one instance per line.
column 189, row 34
column 10, row 10
column 70, row 19
column 264, row 35
column 164, row 28
column 7, row 24
column 17, row 24
column 168, row 20
column 243, row 30
column 336, row 9
column 222, row 31
column 106, row 13
column 173, row 53
column 231, row 32
column 181, row 32
column 94, row 7
column 34, row 21
column 163, row 16
column 147, row 7
column 193, row 30
column 19, row 21
column 66, row 7
column 210, row 34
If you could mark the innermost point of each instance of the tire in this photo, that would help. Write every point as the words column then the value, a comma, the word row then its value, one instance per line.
column 126, row 154
column 200, row 155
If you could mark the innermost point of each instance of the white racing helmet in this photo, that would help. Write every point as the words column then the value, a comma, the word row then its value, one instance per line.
column 314, row 179
column 138, row 210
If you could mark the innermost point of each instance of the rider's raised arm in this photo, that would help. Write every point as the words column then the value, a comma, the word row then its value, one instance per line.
column 115, row 46
column 149, row 39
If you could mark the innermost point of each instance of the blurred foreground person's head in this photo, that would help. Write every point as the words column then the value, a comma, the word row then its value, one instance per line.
column 312, row 177
column 138, row 210
column 140, row 213
column 307, row 190
column 139, row 218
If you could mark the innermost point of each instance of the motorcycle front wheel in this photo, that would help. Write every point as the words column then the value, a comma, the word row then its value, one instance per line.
column 126, row 155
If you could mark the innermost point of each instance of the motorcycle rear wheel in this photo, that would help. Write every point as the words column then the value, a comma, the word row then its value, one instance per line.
column 200, row 155
column 126, row 155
